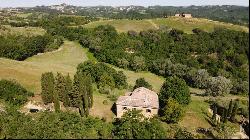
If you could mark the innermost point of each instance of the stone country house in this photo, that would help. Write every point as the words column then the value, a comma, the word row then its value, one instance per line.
column 140, row 99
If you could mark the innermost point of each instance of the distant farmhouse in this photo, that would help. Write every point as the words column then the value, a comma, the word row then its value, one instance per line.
column 140, row 99
column 183, row 15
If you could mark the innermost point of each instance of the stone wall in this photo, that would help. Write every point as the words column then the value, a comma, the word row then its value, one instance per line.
column 147, row 112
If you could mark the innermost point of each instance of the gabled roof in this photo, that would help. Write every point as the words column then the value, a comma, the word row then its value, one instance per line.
column 140, row 97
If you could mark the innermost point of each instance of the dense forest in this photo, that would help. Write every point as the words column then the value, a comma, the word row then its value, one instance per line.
column 218, row 56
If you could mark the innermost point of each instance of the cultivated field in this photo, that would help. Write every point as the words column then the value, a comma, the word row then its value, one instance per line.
column 187, row 25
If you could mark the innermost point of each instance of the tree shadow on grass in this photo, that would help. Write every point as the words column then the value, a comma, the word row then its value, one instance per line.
column 113, row 108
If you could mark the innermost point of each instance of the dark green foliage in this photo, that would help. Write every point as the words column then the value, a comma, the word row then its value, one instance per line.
column 138, row 63
column 224, row 115
column 141, row 82
column 175, row 88
column 50, row 125
column 172, row 112
column 104, row 75
column 47, row 85
column 230, row 108
column 60, row 87
column 214, row 115
column 235, row 110
column 183, row 134
column 56, row 100
column 68, row 87
column 193, row 57
column 82, row 93
column 120, row 80
column 133, row 125
column 20, row 47
column 13, row 93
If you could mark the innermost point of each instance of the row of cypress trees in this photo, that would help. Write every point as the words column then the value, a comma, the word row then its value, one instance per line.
column 77, row 93
column 228, row 113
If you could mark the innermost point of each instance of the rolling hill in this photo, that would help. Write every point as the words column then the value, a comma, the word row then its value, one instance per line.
column 186, row 25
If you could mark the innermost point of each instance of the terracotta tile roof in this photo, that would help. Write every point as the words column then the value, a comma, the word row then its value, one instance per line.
column 140, row 97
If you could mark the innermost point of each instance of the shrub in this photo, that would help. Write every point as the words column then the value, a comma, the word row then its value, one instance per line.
column 172, row 112
column 13, row 93
column 175, row 88
column 141, row 82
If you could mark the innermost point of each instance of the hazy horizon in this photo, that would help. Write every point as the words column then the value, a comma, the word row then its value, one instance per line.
column 145, row 3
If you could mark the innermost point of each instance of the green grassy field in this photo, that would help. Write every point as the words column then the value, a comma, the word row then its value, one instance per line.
column 123, row 25
column 26, row 31
column 187, row 25
column 28, row 72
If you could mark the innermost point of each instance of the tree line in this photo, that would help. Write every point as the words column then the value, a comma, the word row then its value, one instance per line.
column 21, row 47
column 77, row 93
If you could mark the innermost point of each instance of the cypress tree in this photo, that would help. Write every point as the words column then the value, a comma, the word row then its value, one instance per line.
column 68, row 83
column 82, row 93
column 60, row 86
column 56, row 101
column 59, row 91
column 47, row 85
column 230, row 109
column 224, row 115
column 214, row 114
column 74, row 94
column 89, row 91
column 235, row 110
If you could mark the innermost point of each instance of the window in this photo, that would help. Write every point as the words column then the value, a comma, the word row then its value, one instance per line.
column 124, row 108
column 148, row 110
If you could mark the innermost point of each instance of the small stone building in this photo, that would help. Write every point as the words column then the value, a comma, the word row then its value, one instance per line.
column 183, row 15
column 140, row 99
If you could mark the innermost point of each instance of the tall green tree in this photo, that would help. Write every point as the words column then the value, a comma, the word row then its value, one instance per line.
column 172, row 112
column 82, row 93
column 47, row 84
column 230, row 109
column 175, row 88
column 141, row 82
column 69, row 86
column 133, row 125
column 60, row 87
column 235, row 110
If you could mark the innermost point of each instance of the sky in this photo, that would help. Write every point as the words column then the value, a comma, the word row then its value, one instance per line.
column 30, row 3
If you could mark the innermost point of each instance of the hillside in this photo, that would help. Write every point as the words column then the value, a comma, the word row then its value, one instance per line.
column 186, row 25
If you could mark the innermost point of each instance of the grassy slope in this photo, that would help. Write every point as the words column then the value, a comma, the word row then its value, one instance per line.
column 26, row 31
column 28, row 72
column 123, row 25
column 186, row 25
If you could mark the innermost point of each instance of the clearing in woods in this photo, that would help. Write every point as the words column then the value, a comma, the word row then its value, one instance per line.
column 65, row 60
